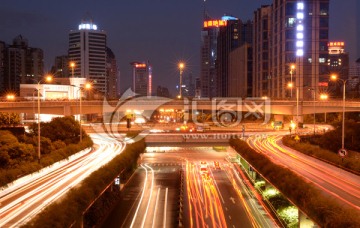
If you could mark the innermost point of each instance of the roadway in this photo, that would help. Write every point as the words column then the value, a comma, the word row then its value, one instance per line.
column 341, row 184
column 219, row 197
column 27, row 196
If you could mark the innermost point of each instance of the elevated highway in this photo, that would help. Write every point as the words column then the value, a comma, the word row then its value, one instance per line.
column 279, row 107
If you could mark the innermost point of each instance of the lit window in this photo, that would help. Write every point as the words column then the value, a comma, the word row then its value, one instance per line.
column 300, row 35
column 300, row 52
column 310, row 60
column 322, row 60
column 300, row 27
column 300, row 15
column 292, row 21
column 300, row 43
column 300, row 6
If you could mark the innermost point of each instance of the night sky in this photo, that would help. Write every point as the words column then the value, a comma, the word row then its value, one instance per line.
column 161, row 31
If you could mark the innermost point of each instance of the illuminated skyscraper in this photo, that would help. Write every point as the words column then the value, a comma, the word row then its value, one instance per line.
column 87, row 48
column 209, row 35
column 142, row 78
column 294, row 32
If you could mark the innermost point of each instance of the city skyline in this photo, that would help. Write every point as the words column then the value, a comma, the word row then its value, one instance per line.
column 162, row 33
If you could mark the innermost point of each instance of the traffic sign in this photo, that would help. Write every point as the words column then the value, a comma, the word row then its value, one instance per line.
column 342, row 152
column 297, row 138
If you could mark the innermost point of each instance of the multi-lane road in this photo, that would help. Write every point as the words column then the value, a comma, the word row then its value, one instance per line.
column 212, row 194
column 342, row 184
column 24, row 198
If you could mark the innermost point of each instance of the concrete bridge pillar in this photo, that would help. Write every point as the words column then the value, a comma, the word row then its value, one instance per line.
column 67, row 110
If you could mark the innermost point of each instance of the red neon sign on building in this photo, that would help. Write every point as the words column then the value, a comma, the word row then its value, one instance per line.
column 214, row 23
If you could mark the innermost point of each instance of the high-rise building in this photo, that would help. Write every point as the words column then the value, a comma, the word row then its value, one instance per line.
column 2, row 66
column 338, row 60
column 188, row 89
column 240, row 72
column 261, row 72
column 112, row 74
column 61, row 68
column 209, row 36
column 338, row 63
column 87, row 48
column 233, row 35
column 22, row 64
column 298, row 34
column 142, row 78
column 162, row 92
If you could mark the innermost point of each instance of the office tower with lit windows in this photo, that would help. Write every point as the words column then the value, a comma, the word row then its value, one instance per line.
column 112, row 75
column 87, row 48
column 261, row 72
column 209, row 35
column 21, row 64
column 231, row 36
column 142, row 78
column 298, row 34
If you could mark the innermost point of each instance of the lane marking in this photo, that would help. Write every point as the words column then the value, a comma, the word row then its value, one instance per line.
column 165, row 206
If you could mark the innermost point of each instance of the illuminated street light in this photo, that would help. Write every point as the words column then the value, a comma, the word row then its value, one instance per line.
column 334, row 77
column 87, row 86
column 72, row 65
column 10, row 97
column 324, row 96
column 181, row 68
column 292, row 68
column 47, row 78
column 291, row 85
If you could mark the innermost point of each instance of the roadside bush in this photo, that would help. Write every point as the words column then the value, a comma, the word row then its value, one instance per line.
column 324, row 209
column 316, row 151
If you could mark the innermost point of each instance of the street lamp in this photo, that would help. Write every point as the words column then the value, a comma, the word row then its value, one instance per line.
column 10, row 97
column 72, row 65
column 87, row 87
column 181, row 68
column 334, row 77
column 48, row 78
column 291, row 85
column 292, row 68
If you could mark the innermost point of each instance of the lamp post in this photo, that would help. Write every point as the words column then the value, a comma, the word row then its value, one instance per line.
column 46, row 79
column 72, row 65
column 292, row 68
column 10, row 97
column 181, row 68
column 314, row 94
column 334, row 77
column 291, row 85
column 87, row 86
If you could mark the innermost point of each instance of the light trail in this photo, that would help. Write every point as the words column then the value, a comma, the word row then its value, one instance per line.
column 142, row 196
column 156, row 207
column 26, row 197
column 342, row 185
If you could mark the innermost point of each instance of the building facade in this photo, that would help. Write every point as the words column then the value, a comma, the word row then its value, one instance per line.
column 142, row 78
column 261, row 67
column 112, row 75
column 21, row 64
column 233, row 35
column 87, row 48
column 61, row 68
column 209, row 35
column 297, row 34
column 240, row 72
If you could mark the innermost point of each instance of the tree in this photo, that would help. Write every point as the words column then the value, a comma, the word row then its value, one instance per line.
column 65, row 129
column 8, row 119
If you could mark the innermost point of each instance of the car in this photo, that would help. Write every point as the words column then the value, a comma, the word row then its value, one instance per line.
column 216, row 165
